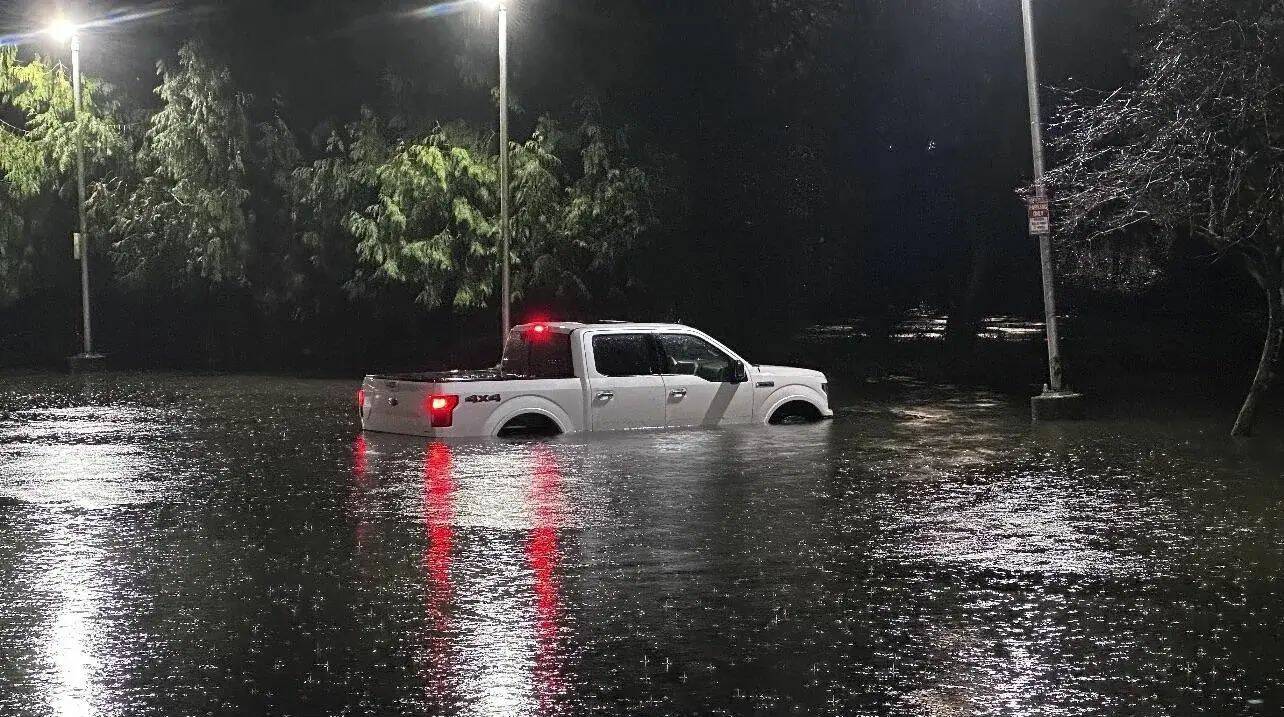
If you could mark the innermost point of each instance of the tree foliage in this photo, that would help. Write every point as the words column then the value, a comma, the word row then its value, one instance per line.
column 181, row 215
column 38, row 135
column 312, row 252
column 582, row 207
column 199, row 202
column 1193, row 150
column 431, row 225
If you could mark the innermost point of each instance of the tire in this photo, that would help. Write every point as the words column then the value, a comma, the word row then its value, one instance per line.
column 795, row 413
column 529, row 425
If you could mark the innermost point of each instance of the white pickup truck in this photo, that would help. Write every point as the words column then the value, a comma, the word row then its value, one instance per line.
column 565, row 377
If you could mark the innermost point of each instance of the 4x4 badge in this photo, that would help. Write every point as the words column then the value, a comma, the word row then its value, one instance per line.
column 482, row 398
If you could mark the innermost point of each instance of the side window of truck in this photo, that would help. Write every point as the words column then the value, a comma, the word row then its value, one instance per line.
column 689, row 355
column 623, row 354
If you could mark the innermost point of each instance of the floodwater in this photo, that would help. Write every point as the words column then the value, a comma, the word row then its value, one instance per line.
column 182, row 545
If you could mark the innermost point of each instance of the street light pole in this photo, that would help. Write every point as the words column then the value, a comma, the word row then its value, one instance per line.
column 83, row 238
column 504, row 184
column 1056, row 401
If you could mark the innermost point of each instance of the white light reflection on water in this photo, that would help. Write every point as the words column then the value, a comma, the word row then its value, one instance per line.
column 86, row 477
column 69, row 653
column 505, row 576
column 1024, row 526
column 1025, row 521
column 68, row 477
column 496, row 562
column 961, row 511
column 926, row 325
column 492, row 642
column 77, row 423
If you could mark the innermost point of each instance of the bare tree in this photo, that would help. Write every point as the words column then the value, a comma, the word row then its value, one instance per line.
column 1194, row 149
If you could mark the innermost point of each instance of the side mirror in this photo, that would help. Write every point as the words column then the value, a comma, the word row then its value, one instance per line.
column 738, row 373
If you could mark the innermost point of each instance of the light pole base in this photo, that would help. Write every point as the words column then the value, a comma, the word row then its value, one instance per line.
column 1056, row 406
column 87, row 363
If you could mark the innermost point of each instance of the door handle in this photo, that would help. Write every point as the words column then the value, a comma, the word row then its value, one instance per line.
column 605, row 395
column 678, row 392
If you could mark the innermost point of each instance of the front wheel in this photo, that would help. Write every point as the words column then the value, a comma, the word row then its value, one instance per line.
column 795, row 413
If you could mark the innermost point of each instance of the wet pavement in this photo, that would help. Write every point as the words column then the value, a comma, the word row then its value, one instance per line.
column 183, row 545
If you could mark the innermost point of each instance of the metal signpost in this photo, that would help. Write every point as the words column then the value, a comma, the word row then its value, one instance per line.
column 86, row 360
column 1056, row 401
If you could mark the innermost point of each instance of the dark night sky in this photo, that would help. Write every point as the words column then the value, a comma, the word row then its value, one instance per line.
column 914, row 108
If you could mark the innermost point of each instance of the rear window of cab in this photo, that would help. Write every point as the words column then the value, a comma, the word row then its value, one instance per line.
column 530, row 354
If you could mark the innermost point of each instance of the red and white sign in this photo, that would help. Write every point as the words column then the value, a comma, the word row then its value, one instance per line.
column 1040, row 217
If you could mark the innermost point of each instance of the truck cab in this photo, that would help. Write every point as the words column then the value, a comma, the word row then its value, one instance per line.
column 567, row 377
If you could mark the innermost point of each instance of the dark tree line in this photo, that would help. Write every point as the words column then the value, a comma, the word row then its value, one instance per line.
column 200, row 202
column 800, row 162
column 311, row 197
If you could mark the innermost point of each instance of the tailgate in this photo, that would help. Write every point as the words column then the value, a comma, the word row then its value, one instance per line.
column 395, row 406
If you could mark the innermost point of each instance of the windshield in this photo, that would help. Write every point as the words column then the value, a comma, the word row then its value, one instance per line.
column 537, row 355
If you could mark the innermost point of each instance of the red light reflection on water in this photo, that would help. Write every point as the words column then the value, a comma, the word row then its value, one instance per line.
column 359, row 460
column 360, row 484
column 442, row 496
column 439, row 519
column 544, row 558
column 439, row 514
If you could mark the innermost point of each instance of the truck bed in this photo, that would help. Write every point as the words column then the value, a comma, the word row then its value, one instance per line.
column 460, row 376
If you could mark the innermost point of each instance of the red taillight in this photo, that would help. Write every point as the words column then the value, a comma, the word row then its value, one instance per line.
column 361, row 399
column 539, row 328
column 441, row 410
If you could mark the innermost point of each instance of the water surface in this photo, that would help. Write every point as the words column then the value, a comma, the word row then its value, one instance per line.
column 191, row 545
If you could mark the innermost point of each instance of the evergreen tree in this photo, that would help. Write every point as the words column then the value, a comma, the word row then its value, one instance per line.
column 431, row 225
column 180, row 219
column 38, row 138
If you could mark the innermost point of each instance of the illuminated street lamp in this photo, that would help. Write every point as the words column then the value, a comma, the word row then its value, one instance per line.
column 501, row 8
column 62, row 31
column 65, row 31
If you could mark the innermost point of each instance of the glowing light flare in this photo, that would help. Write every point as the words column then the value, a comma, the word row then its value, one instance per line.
column 450, row 8
column 537, row 331
column 62, row 30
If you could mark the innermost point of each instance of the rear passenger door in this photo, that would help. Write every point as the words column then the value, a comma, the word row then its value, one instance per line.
column 625, row 388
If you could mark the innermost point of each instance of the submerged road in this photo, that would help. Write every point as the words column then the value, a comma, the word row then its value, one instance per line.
column 183, row 545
